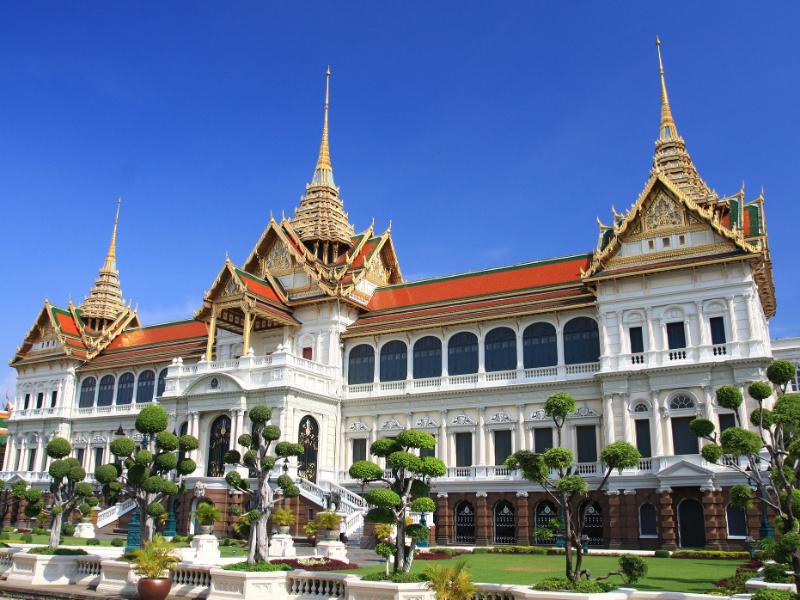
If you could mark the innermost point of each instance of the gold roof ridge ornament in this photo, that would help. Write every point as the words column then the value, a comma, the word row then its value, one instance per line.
column 668, row 129
column 104, row 303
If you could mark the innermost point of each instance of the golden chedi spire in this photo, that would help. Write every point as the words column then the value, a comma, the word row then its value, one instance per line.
column 104, row 302
column 671, row 158
column 320, row 220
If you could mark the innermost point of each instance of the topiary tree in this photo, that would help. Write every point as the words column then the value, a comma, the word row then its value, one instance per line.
column 18, row 489
column 570, row 487
column 409, row 479
column 143, row 474
column 773, row 458
column 262, row 499
column 68, row 489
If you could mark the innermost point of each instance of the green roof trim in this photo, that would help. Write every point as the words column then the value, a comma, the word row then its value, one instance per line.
column 159, row 325
column 756, row 225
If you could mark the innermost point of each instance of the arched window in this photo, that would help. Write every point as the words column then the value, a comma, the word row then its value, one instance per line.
column 105, row 393
column 641, row 408
column 594, row 523
column 465, row 523
column 308, row 438
column 505, row 523
column 146, row 386
column 394, row 361
column 501, row 350
column 648, row 526
column 462, row 354
column 545, row 511
column 428, row 357
column 125, row 389
column 361, row 365
column 162, row 382
column 539, row 347
column 581, row 341
column 87, row 393
column 219, row 440
column 737, row 522
column 681, row 401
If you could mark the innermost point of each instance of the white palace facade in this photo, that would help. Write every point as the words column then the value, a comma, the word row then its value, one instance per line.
column 319, row 324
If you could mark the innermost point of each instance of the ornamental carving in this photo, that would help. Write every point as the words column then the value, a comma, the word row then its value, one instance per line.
column 501, row 417
column 79, row 439
column 539, row 415
column 232, row 287
column 377, row 272
column 463, row 420
column 358, row 426
column 426, row 421
column 99, row 439
column 663, row 213
column 584, row 411
column 278, row 258
column 391, row 424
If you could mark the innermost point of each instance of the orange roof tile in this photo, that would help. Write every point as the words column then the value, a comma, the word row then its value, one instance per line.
column 154, row 334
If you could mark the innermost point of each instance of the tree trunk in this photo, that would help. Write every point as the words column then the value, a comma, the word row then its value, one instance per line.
column 146, row 527
column 400, row 542
column 568, row 539
column 262, row 539
column 55, row 532
column 796, row 567
column 251, row 545
column 409, row 558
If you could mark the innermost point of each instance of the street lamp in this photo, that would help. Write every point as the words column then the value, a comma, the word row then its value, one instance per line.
column 751, row 544
column 766, row 531
column 585, row 543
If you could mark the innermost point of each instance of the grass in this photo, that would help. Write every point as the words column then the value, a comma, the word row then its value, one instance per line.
column 665, row 574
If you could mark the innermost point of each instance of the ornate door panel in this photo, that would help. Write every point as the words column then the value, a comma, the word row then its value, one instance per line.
column 308, row 437
column 465, row 523
column 505, row 523
column 219, row 441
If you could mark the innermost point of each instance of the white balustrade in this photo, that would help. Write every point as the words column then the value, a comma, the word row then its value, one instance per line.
column 112, row 513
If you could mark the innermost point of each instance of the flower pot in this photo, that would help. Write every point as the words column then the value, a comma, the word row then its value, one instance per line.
column 154, row 589
column 86, row 520
column 331, row 535
column 283, row 529
column 206, row 529
column 312, row 540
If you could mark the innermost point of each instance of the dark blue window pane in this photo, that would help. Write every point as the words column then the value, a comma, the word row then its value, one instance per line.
column 87, row 393
column 125, row 389
column 502, row 446
column 717, row 330
column 637, row 340
column 462, row 354
column 501, row 350
column 682, row 439
column 581, row 341
column 587, row 443
column 647, row 520
column 539, row 347
column 394, row 361
column 726, row 421
column 676, row 335
column 105, row 395
column 361, row 365
column 146, row 386
column 463, row 449
column 428, row 358
column 643, row 437
column 737, row 521
column 162, row 382
column 542, row 439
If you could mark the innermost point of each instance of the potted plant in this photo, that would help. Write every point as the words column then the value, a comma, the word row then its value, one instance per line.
column 284, row 518
column 451, row 584
column 86, row 512
column 383, row 532
column 153, row 563
column 329, row 521
column 310, row 529
column 207, row 514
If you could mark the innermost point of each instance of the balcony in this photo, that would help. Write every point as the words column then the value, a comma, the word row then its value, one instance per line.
column 658, row 358
column 255, row 372
column 471, row 381
column 69, row 412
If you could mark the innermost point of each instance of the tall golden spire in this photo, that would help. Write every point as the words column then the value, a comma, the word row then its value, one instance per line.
column 668, row 129
column 104, row 302
column 671, row 159
column 323, row 174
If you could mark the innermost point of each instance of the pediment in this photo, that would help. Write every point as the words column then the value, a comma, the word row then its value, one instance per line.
column 684, row 468
column 213, row 383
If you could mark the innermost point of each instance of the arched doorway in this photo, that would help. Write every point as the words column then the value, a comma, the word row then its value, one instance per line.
column 594, row 524
column 505, row 523
column 308, row 437
column 545, row 511
column 219, row 441
column 691, row 524
column 465, row 523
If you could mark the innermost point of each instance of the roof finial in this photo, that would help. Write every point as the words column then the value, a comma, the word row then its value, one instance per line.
column 111, row 258
column 323, row 174
column 105, row 298
column 668, row 129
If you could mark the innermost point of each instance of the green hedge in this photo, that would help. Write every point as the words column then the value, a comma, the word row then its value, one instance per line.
column 710, row 554
column 58, row 551
column 260, row 567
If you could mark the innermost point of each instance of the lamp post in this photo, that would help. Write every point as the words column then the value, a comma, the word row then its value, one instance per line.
column 766, row 531
column 751, row 545
column 585, row 543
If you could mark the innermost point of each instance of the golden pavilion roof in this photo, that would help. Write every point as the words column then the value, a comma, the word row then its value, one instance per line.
column 105, row 298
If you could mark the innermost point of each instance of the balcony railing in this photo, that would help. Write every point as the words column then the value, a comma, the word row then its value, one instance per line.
column 473, row 380
column 693, row 354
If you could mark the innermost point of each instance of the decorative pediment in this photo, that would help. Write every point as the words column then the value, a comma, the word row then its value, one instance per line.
column 79, row 440
column 684, row 468
column 663, row 214
column 99, row 439
column 278, row 259
column 539, row 415
column 463, row 419
column 358, row 426
column 211, row 384
column 426, row 423
column 501, row 417
column 584, row 412
column 391, row 424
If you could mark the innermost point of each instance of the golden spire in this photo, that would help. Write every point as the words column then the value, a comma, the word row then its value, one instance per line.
column 668, row 129
column 323, row 174
column 104, row 302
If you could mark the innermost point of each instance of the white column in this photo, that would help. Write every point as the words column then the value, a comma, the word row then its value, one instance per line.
column 239, row 427
column 408, row 420
column 520, row 352
column 10, row 447
column 521, row 428
column 742, row 410
column 623, row 340
column 481, row 438
column 604, row 334
column 709, row 403
column 701, row 322
column 559, row 343
column 651, row 342
column 732, row 319
column 232, row 445
column 90, row 450
column 443, row 441
column 608, row 420
column 377, row 375
column 324, row 435
column 748, row 298
column 664, row 340
column 657, row 427
column 196, row 430
column 627, row 434
column 688, row 325
column 481, row 354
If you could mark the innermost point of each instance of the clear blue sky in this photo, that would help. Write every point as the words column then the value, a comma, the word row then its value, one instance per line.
column 489, row 133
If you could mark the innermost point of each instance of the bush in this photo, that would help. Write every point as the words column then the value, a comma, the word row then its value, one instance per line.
column 67, row 529
column 736, row 584
column 395, row 577
column 711, row 554
column 40, row 531
column 117, row 543
column 434, row 556
column 633, row 567
column 190, row 537
column 553, row 584
column 560, row 584
column 661, row 554
column 314, row 563
column 9, row 529
column 58, row 551
column 260, row 567
column 451, row 551
column 92, row 542
column 775, row 573
column 517, row 550
column 773, row 595
column 26, row 538
column 5, row 536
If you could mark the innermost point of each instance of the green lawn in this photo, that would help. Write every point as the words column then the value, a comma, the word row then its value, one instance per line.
column 666, row 574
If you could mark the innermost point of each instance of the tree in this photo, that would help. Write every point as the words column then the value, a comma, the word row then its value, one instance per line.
column 569, row 487
column 142, row 476
column 773, row 456
column 68, row 490
column 262, row 499
column 409, row 478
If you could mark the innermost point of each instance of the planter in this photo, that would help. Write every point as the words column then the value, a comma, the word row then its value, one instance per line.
column 206, row 529
column 238, row 585
column 283, row 529
column 154, row 589
column 206, row 549
column 386, row 590
column 758, row 583
column 330, row 535
column 312, row 540
column 118, row 579
column 282, row 546
column 42, row 569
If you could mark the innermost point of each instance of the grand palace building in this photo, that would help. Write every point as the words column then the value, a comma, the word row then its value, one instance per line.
column 319, row 324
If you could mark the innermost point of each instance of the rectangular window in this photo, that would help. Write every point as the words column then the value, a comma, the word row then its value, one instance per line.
column 98, row 457
column 665, row 242
column 79, row 453
column 681, row 240
column 502, row 446
column 542, row 439
column 427, row 451
column 308, row 353
column 717, row 330
column 53, row 399
column 587, row 443
column 27, row 402
column 359, row 450
column 637, row 340
column 726, row 421
column 651, row 244
column 32, row 459
column 464, row 449
column 683, row 441
column 676, row 336
column 643, row 437
column 311, row 514
column 40, row 400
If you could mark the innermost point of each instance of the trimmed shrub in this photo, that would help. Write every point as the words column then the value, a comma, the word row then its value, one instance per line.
column 260, row 567
column 26, row 538
column 313, row 563
column 92, row 542
column 395, row 577
column 58, row 551
column 5, row 536
column 711, row 554
column 773, row 595
column 67, row 529
column 661, row 554
column 775, row 573
column 429, row 556
column 117, row 543
column 517, row 550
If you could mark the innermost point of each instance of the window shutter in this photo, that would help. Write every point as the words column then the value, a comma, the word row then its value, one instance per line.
column 587, row 443
column 717, row 330
column 726, row 421
column 502, row 446
column 682, row 439
column 637, row 340
column 676, row 336
column 643, row 437
column 359, row 450
column 543, row 439
column 464, row 449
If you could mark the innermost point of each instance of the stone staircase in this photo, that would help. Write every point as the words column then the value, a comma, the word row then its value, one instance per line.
column 351, row 506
